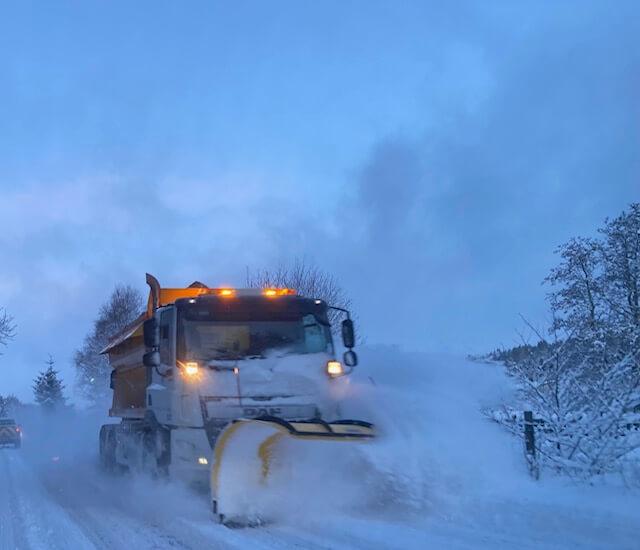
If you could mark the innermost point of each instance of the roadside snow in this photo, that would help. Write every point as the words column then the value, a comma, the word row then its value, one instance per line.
column 467, row 473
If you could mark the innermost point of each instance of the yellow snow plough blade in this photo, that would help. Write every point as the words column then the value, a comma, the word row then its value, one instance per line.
column 245, row 452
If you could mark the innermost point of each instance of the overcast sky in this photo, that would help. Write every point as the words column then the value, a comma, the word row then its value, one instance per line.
column 431, row 157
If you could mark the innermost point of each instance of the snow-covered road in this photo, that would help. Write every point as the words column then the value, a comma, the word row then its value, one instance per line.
column 55, row 506
column 440, row 476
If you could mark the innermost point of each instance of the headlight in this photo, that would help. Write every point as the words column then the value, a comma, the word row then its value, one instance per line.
column 191, row 368
column 334, row 368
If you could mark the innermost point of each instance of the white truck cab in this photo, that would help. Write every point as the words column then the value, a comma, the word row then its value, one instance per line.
column 201, row 358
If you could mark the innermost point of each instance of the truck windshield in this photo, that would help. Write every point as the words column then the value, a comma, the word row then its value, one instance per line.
column 209, row 340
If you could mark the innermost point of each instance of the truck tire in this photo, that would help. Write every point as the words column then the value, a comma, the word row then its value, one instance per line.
column 156, row 451
column 156, row 444
column 108, row 448
column 17, row 444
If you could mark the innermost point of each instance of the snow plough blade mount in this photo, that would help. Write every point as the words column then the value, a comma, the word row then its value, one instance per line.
column 246, row 450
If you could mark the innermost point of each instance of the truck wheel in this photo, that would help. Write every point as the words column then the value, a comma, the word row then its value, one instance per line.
column 163, row 447
column 149, row 458
column 107, row 448
column 17, row 444
column 156, row 452
column 154, row 442
column 157, row 443
column 218, row 518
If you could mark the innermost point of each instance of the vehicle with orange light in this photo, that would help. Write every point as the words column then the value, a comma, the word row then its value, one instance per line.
column 204, row 367
column 10, row 433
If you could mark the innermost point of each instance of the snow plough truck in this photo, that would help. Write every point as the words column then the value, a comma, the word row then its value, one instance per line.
column 215, row 385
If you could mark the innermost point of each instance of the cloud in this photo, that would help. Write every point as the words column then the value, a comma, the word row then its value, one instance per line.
column 390, row 187
column 532, row 147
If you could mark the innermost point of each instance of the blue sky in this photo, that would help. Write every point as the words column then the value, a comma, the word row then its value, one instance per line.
column 431, row 156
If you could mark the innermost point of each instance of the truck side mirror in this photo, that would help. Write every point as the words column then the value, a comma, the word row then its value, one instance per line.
column 112, row 378
column 151, row 333
column 350, row 358
column 348, row 334
column 151, row 359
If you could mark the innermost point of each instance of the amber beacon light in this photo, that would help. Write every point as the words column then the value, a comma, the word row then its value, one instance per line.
column 273, row 292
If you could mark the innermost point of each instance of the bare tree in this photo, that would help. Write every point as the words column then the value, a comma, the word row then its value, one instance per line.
column 7, row 328
column 92, row 368
column 8, row 404
column 307, row 280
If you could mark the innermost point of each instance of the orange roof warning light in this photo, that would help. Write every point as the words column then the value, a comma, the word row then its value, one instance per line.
column 272, row 292
column 225, row 292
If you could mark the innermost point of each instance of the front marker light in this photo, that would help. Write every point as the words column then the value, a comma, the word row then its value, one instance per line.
column 334, row 368
column 203, row 461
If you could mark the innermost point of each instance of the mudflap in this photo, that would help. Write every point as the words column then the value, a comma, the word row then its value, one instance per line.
column 248, row 450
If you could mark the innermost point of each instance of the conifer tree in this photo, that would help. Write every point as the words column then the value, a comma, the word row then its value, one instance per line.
column 47, row 387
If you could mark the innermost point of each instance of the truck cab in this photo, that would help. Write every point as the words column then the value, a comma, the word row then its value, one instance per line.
column 201, row 359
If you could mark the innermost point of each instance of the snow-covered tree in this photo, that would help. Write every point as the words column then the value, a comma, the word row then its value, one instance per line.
column 621, row 261
column 47, row 387
column 577, row 299
column 92, row 369
column 7, row 328
column 585, row 385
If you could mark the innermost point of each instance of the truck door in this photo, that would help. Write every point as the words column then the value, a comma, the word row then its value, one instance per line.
column 158, row 393
column 167, row 339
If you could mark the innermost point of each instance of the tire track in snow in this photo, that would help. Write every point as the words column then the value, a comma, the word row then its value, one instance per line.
column 113, row 514
column 36, row 522
column 113, row 511
column 11, row 525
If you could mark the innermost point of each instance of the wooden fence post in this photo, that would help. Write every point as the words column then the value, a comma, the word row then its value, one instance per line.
column 530, row 445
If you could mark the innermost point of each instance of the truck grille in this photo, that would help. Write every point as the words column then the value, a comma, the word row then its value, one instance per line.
column 7, row 433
